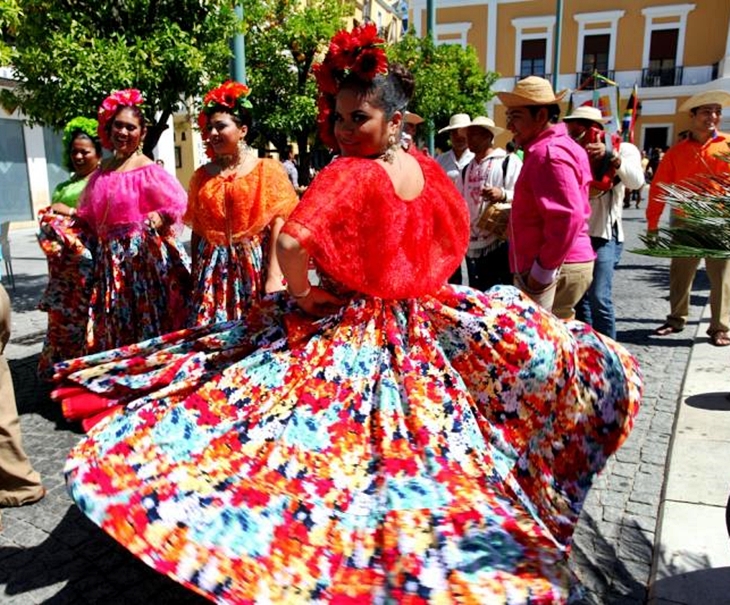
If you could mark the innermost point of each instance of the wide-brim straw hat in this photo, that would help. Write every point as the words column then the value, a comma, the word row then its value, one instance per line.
column 531, row 90
column 586, row 112
column 488, row 123
column 709, row 97
column 413, row 118
column 458, row 120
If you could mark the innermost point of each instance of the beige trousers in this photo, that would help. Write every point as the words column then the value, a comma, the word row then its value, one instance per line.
column 19, row 483
column 573, row 282
column 681, row 275
column 543, row 297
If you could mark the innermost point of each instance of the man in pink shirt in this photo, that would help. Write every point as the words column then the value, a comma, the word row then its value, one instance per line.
column 551, row 255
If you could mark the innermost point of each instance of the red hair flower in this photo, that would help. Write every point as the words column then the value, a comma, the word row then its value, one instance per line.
column 359, row 53
column 230, row 95
column 129, row 97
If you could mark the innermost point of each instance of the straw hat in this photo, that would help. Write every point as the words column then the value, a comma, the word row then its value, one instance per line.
column 531, row 90
column 413, row 118
column 488, row 123
column 458, row 120
column 709, row 97
column 586, row 112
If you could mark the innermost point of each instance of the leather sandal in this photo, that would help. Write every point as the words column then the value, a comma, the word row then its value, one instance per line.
column 720, row 338
column 667, row 329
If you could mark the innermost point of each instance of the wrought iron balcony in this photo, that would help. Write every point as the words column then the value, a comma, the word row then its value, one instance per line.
column 664, row 76
column 588, row 80
column 523, row 76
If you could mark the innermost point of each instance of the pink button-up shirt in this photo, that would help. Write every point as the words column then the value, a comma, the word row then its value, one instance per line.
column 549, row 219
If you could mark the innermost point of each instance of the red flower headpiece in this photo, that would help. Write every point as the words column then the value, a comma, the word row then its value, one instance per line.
column 129, row 97
column 231, row 95
column 359, row 53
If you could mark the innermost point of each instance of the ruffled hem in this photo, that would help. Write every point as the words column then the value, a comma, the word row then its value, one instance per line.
column 425, row 449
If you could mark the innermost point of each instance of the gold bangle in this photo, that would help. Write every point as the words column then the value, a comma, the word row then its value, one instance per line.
column 300, row 295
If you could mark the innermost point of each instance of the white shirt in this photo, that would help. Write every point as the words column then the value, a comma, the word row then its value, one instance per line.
column 487, row 173
column 453, row 167
column 607, row 207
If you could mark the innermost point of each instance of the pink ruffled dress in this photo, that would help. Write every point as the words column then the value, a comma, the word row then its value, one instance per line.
column 142, row 275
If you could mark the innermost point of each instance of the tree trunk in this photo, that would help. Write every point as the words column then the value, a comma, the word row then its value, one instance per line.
column 304, row 159
column 154, row 132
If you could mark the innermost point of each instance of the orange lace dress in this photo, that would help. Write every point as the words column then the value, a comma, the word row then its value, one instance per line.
column 232, row 216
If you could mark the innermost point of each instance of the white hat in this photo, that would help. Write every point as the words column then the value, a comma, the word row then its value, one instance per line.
column 709, row 97
column 586, row 112
column 532, row 90
column 413, row 118
column 458, row 120
column 488, row 123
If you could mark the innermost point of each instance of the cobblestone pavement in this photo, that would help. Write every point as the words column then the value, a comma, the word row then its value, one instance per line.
column 50, row 553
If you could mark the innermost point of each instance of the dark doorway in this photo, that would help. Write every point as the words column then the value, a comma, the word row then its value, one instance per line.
column 655, row 137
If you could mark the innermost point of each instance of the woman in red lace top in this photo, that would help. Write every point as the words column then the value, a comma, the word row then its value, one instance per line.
column 380, row 437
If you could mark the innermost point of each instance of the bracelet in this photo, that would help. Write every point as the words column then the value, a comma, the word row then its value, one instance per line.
column 300, row 295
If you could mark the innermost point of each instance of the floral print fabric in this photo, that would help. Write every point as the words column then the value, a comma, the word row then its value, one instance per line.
column 432, row 450
column 141, row 288
column 67, row 247
column 228, row 278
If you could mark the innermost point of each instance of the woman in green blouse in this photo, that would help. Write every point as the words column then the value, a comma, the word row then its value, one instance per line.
column 68, row 249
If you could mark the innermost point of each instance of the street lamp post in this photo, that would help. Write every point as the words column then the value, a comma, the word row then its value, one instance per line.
column 556, row 45
column 238, row 64
column 431, row 32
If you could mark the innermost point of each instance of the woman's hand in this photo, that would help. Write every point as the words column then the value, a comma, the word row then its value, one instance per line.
column 319, row 302
column 154, row 220
column 61, row 208
column 274, row 284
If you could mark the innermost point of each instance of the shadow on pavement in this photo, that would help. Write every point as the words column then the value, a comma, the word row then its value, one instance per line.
column 32, row 396
column 706, row 586
column 91, row 564
column 606, row 570
column 642, row 336
column 27, row 292
column 716, row 402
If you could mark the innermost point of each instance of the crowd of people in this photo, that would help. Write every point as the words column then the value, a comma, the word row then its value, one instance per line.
column 426, row 419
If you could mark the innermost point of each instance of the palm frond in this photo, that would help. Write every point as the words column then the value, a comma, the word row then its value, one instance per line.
column 701, row 226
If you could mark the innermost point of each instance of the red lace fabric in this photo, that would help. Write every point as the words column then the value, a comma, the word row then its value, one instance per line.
column 367, row 238
column 227, row 209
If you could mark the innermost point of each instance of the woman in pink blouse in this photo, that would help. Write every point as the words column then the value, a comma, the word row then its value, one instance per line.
column 134, row 208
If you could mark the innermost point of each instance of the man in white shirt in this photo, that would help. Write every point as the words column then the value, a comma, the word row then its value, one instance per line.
column 458, row 157
column 488, row 181
column 614, row 171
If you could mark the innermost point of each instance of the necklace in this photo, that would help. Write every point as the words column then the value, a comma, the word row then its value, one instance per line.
column 234, row 161
column 120, row 160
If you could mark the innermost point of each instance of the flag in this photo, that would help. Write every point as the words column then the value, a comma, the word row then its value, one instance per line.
column 605, row 99
column 629, row 119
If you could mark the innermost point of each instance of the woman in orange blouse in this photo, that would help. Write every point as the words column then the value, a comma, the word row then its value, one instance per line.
column 236, row 206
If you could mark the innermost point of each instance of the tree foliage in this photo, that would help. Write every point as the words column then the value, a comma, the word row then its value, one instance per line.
column 9, row 19
column 69, row 54
column 284, row 38
column 449, row 78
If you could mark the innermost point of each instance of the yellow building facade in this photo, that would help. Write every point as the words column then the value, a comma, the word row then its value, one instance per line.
column 669, row 50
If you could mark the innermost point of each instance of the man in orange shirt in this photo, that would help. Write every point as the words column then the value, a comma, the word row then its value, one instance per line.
column 694, row 156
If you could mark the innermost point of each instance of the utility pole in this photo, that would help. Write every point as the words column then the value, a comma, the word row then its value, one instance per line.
column 238, row 64
column 556, row 45
column 431, row 32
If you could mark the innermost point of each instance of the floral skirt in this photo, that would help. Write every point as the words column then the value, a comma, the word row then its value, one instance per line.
column 435, row 450
column 141, row 289
column 66, row 298
column 228, row 279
